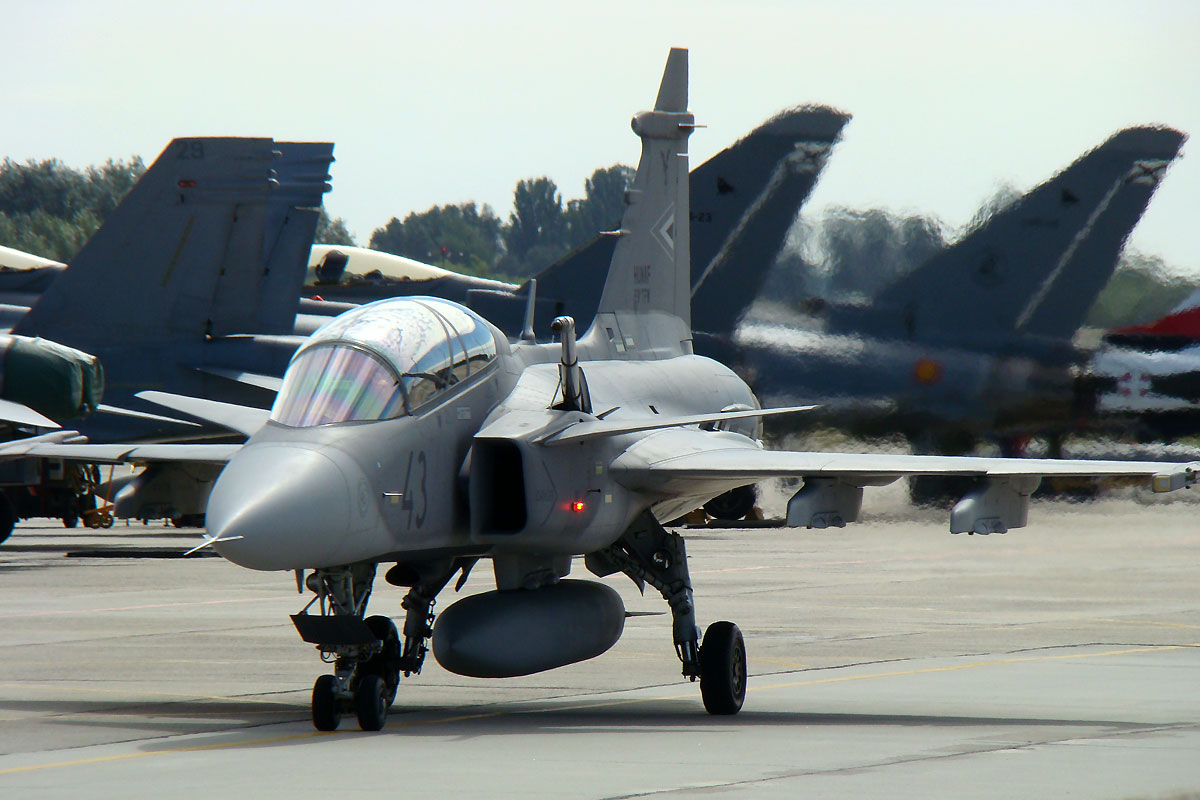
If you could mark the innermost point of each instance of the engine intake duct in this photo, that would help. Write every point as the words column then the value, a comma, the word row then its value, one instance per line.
column 497, row 486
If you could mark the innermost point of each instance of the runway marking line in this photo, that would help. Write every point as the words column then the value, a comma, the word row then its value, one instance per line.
column 581, row 707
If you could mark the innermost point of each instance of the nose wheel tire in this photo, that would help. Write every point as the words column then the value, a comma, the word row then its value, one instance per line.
column 326, row 713
column 371, row 703
column 385, row 663
column 723, row 669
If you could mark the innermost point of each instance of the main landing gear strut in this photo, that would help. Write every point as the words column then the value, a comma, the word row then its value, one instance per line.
column 650, row 554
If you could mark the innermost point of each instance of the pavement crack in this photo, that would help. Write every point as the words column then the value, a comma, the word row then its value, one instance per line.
column 899, row 762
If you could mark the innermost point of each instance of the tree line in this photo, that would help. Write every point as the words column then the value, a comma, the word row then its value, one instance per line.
column 540, row 229
column 49, row 209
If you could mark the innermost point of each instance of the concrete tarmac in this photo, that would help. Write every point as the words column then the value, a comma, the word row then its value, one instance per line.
column 889, row 659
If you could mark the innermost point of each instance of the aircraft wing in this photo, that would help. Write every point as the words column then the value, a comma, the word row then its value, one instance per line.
column 126, row 453
column 243, row 419
column 21, row 447
column 20, row 414
column 698, row 463
column 594, row 429
column 744, row 464
column 269, row 382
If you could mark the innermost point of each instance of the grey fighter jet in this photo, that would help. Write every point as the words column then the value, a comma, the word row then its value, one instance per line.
column 411, row 433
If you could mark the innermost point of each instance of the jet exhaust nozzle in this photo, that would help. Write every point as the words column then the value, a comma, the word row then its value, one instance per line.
column 503, row 634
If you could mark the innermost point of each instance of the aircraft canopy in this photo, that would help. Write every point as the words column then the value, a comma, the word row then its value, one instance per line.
column 382, row 360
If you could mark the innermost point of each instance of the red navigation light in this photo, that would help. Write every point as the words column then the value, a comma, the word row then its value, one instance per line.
column 577, row 506
column 186, row 184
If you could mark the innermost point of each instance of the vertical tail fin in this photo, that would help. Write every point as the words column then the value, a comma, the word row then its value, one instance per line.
column 1033, row 269
column 1067, row 293
column 302, row 175
column 187, row 252
column 646, row 302
column 731, row 263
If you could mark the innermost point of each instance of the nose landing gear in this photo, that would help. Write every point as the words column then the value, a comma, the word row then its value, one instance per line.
column 365, row 653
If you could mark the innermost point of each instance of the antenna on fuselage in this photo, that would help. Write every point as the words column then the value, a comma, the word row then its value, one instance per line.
column 530, row 302
column 574, row 385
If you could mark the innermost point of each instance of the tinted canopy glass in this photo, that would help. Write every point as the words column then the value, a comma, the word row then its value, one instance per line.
column 382, row 360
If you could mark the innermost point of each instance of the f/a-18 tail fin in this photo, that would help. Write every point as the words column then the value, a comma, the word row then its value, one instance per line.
column 302, row 175
column 1033, row 269
column 645, row 308
column 186, row 254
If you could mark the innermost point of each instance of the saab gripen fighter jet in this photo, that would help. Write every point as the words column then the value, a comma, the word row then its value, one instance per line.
column 411, row 433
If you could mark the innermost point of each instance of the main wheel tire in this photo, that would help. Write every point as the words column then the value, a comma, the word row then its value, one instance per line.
column 385, row 664
column 734, row 504
column 70, row 519
column 723, row 669
column 371, row 703
column 326, row 713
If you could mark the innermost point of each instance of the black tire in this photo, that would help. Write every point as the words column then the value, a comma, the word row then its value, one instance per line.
column 723, row 669
column 8, row 517
column 326, row 712
column 370, row 703
column 70, row 520
column 385, row 664
column 734, row 504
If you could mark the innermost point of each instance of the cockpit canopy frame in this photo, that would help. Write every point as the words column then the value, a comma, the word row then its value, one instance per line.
column 384, row 360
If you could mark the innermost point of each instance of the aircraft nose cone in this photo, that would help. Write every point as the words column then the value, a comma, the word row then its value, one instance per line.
column 289, row 505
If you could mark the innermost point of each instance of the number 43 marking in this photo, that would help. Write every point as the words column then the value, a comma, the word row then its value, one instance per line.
column 406, row 501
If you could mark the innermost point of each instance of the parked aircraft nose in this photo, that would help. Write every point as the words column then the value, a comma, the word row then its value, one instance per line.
column 279, row 507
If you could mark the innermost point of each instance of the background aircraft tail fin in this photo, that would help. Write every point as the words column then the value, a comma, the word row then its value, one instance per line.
column 758, row 186
column 302, row 175
column 186, row 253
column 1033, row 269
column 646, row 302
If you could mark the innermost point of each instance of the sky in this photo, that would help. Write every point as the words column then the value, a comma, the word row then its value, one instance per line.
column 433, row 103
